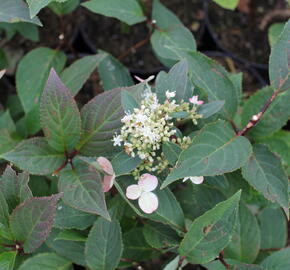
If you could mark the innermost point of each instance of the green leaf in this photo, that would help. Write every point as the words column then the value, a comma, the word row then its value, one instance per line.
column 32, row 73
column 112, row 73
column 13, row 11
column 279, row 260
column 75, row 76
column 170, row 39
column 71, row 250
column 229, row 4
column 210, row 108
column 274, row 32
column 245, row 243
column 59, row 115
column 27, row 30
column 279, row 64
column 214, row 80
column 4, row 210
column 129, row 103
column 32, row 220
column 211, row 232
column 104, row 245
column 70, row 218
column 128, row 11
column 264, row 172
column 274, row 118
column 101, row 119
column 124, row 164
column 82, row 189
column 171, row 152
column 35, row 156
column 7, row 122
column 45, row 261
column 176, row 80
column 64, row 8
column 273, row 228
column 36, row 6
column 168, row 212
column 237, row 80
column 14, row 187
column 7, row 260
column 214, row 150
column 160, row 236
column 71, row 235
column 7, row 141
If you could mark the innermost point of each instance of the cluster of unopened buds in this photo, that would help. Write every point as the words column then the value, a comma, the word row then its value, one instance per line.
column 146, row 128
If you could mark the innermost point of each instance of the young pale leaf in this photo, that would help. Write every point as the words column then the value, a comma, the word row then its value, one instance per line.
column 160, row 236
column 101, row 119
column 128, row 11
column 35, row 156
column 279, row 260
column 279, row 65
column 32, row 73
column 229, row 4
column 273, row 228
column 168, row 212
column 175, row 81
column 124, row 164
column 112, row 73
column 214, row 150
column 211, row 232
column 210, row 108
column 129, row 103
column 175, row 263
column 171, row 152
column 245, row 244
column 14, row 187
column 171, row 39
column 59, row 115
column 12, row 11
column 71, row 235
column 274, row 118
column 104, row 245
column 32, row 220
column 46, row 261
column 82, row 189
column 70, row 218
column 73, row 251
column 75, row 76
column 264, row 172
column 214, row 80
column 7, row 260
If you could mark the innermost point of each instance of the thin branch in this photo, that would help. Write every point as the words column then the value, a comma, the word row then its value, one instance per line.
column 221, row 259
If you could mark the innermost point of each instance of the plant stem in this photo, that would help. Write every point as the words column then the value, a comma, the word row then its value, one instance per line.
column 221, row 259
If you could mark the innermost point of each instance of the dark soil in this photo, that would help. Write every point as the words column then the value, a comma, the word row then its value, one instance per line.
column 245, row 34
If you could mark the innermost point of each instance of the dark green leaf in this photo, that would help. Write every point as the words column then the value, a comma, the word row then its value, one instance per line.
column 59, row 115
column 7, row 260
column 32, row 220
column 45, row 261
column 279, row 260
column 124, row 164
column 71, row 235
column 129, row 103
column 104, row 245
column 171, row 152
column 274, row 32
column 4, row 210
column 214, row 150
column 14, row 187
column 7, row 122
column 7, row 141
column 210, row 108
column 273, row 228
column 63, row 8
column 264, row 172
column 35, row 156
column 128, row 11
column 82, row 189
column 211, row 232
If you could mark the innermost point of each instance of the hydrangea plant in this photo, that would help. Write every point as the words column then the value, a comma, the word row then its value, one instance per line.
column 178, row 166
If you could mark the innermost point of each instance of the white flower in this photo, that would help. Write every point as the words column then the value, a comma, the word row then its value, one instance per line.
column 127, row 118
column 141, row 118
column 117, row 139
column 194, row 179
column 148, row 201
column 194, row 100
column 109, row 178
column 170, row 94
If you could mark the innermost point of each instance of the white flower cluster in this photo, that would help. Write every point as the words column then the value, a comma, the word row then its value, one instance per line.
column 149, row 126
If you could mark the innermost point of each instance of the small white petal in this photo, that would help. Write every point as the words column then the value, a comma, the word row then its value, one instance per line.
column 195, row 179
column 108, row 182
column 133, row 192
column 148, row 182
column 148, row 202
column 106, row 165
